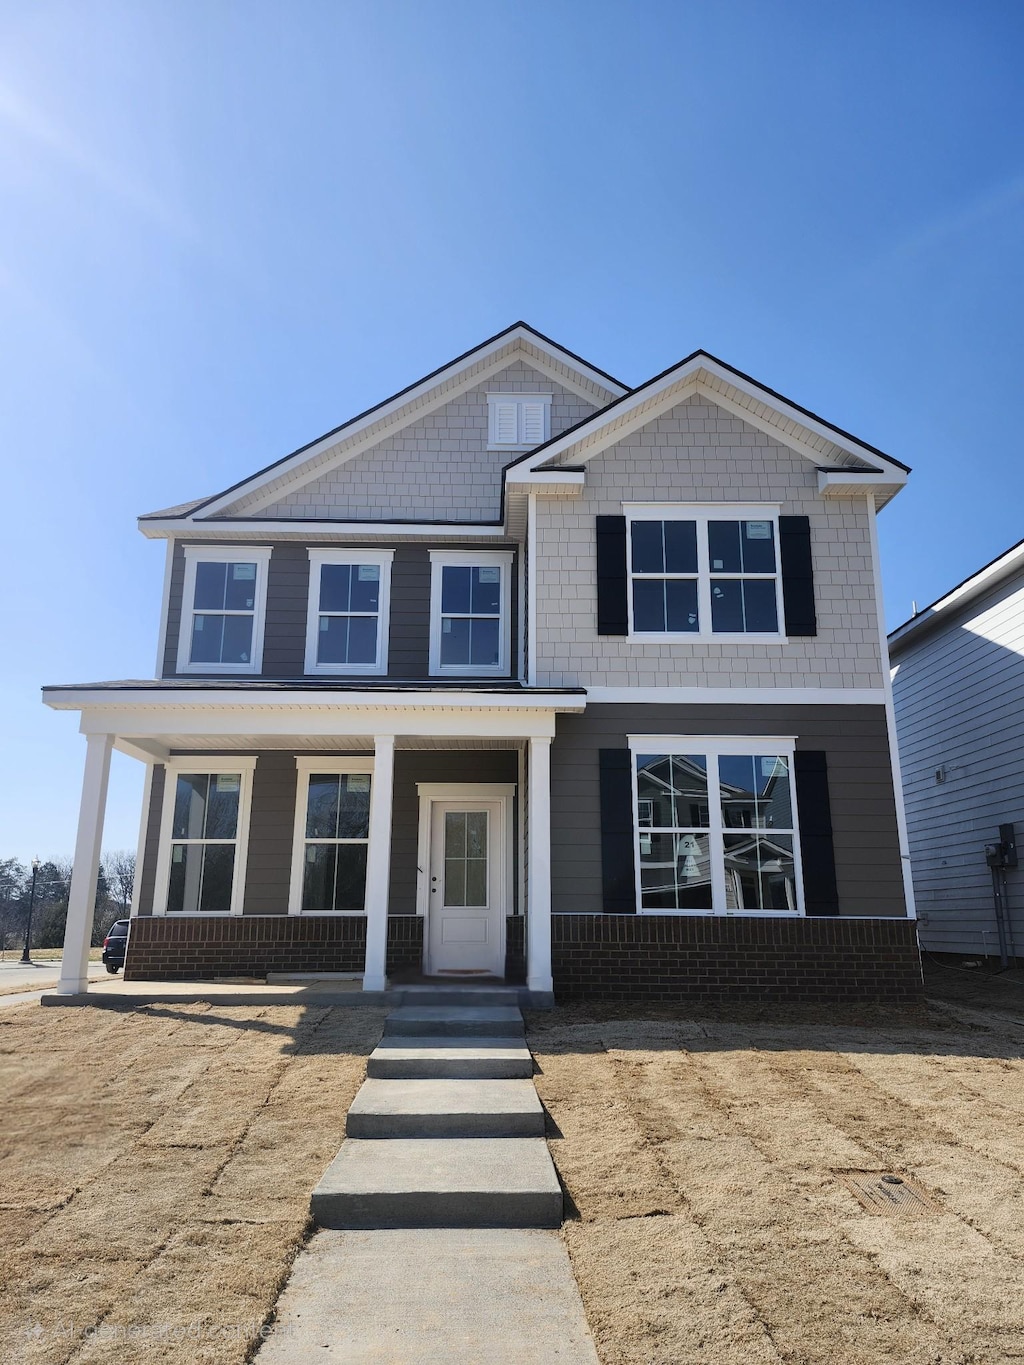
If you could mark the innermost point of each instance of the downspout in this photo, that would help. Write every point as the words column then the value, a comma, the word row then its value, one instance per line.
column 890, row 715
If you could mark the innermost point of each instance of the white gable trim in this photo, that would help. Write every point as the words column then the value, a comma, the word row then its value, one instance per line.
column 701, row 374
column 424, row 398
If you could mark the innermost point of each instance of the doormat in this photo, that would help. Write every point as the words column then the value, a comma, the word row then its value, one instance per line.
column 895, row 1195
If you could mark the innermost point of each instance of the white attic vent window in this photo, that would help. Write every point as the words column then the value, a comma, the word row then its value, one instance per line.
column 518, row 421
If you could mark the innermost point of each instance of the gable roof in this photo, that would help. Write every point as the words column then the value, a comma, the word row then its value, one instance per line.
column 935, row 614
column 757, row 404
column 519, row 341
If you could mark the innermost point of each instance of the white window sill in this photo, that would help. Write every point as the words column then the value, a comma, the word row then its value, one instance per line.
column 333, row 914
column 728, row 914
column 345, row 670
column 240, row 670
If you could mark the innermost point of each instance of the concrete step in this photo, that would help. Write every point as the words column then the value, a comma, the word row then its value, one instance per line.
column 477, row 1021
column 445, row 1109
column 456, row 995
column 452, row 1183
column 425, row 1058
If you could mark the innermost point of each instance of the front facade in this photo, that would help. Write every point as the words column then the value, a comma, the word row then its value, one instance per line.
column 524, row 674
column 958, row 685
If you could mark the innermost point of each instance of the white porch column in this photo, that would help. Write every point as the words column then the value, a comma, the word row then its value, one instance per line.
column 378, row 863
column 538, row 916
column 74, row 972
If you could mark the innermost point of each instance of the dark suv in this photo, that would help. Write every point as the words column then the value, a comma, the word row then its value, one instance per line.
column 115, row 944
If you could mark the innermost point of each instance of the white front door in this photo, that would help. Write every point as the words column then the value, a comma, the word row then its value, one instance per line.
column 467, row 889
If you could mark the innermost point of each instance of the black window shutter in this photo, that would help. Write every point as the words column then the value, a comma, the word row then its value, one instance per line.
column 612, row 618
column 821, row 896
column 797, row 577
column 619, row 886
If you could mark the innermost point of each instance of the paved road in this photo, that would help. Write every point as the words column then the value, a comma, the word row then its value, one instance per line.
column 40, row 976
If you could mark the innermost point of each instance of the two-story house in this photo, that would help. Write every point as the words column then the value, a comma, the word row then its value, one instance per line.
column 524, row 674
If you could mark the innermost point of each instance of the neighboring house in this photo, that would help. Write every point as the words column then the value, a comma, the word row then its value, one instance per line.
column 958, row 683
column 525, row 674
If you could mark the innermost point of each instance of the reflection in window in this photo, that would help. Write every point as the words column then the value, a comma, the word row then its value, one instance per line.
column 704, row 575
column 223, row 613
column 336, row 833
column 465, row 857
column 471, row 615
column 204, row 831
column 349, row 609
column 716, row 839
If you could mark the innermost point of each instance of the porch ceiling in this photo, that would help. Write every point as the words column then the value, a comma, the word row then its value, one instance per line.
column 331, row 744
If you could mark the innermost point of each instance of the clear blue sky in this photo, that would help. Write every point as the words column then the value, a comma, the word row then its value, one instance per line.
column 226, row 227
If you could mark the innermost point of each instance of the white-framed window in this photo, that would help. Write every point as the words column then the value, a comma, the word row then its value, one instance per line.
column 349, row 609
column 707, row 572
column 518, row 420
column 332, row 834
column 204, row 835
column 715, row 825
column 470, row 612
column 223, row 607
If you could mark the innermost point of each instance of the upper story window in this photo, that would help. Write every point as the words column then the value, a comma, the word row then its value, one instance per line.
column 703, row 573
column 518, row 420
column 223, row 606
column 349, row 605
column 470, row 611
column 716, row 825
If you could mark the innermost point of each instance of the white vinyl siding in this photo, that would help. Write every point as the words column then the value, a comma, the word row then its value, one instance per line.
column 959, row 698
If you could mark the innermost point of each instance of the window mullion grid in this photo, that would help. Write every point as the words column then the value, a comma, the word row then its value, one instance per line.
column 703, row 579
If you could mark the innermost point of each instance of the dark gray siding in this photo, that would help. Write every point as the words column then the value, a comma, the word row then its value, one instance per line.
column 284, row 643
column 271, row 830
column 959, row 697
column 272, row 821
column 868, row 870
column 422, row 765
column 151, row 843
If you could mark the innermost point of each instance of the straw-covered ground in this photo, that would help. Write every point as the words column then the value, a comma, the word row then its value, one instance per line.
column 155, row 1172
column 156, row 1166
column 710, row 1224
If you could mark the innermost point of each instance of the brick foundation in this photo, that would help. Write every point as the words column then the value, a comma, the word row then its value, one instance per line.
column 405, row 945
column 676, row 958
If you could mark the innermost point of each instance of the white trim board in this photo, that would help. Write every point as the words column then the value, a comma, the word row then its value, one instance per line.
column 245, row 765
column 692, row 376
column 379, row 559
column 304, row 766
column 223, row 554
column 738, row 696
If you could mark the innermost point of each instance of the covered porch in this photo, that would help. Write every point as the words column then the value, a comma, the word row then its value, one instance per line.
column 444, row 831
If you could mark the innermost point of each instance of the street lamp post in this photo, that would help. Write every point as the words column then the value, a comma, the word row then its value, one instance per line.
column 31, row 902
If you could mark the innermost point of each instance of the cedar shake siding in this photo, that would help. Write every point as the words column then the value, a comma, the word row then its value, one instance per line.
column 868, row 872
column 284, row 643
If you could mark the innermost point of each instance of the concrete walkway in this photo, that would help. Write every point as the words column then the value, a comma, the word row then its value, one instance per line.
column 432, row 1244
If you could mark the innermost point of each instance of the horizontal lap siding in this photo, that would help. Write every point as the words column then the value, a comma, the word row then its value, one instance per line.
column 854, row 738
column 413, row 766
column 151, row 843
column 284, row 643
column 959, row 697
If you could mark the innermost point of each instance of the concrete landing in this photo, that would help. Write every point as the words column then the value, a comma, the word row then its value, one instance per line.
column 455, row 1021
column 461, row 1296
column 411, row 1057
column 432, row 1183
column 445, row 1108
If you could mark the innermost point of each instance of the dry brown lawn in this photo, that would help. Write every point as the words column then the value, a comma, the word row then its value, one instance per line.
column 155, row 1172
column 709, row 1223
